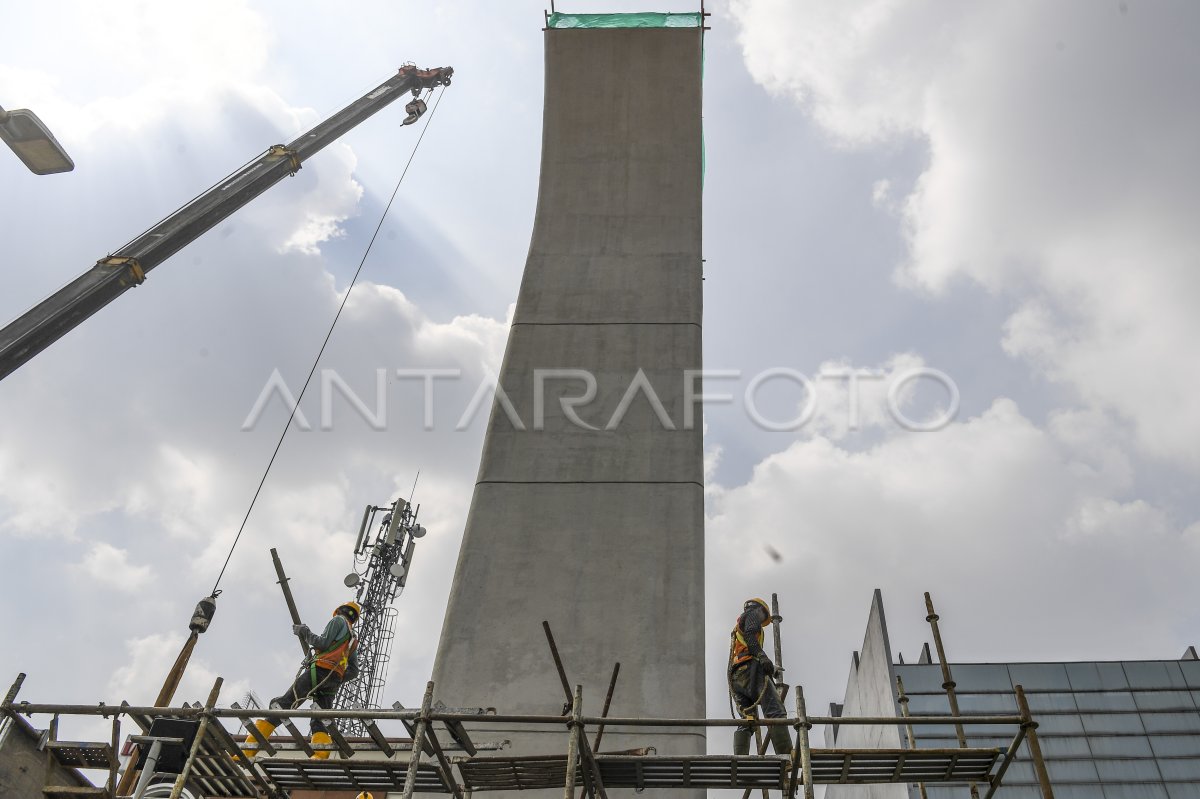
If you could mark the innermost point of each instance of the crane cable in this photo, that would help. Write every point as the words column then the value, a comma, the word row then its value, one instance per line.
column 296, row 406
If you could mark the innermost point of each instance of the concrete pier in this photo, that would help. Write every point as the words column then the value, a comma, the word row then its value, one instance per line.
column 599, row 531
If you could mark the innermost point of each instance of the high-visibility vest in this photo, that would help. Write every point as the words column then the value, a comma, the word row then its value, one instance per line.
column 739, row 653
column 338, row 658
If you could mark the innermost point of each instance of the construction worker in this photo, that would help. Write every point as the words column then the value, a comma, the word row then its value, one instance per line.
column 333, row 660
column 750, row 683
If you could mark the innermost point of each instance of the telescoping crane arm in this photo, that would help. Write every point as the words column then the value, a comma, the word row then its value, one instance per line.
column 112, row 276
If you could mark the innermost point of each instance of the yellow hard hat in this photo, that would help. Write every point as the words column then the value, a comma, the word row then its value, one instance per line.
column 759, row 601
column 365, row 795
column 353, row 606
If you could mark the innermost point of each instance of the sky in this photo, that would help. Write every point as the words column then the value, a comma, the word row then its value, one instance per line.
column 998, row 197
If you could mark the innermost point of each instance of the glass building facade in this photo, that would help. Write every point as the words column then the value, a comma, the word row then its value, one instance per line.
column 1108, row 730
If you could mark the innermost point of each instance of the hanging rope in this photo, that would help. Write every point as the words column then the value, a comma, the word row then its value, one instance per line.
column 288, row 424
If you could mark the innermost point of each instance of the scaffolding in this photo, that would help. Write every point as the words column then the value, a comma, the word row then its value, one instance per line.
column 211, row 763
column 215, row 765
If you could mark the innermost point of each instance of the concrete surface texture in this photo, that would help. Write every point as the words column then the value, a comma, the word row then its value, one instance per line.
column 23, row 772
column 599, row 531
column 869, row 692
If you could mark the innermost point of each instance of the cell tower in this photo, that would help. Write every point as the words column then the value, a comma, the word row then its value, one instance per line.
column 381, row 565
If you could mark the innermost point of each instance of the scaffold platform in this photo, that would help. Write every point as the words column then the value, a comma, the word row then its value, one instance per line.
column 829, row 766
column 216, row 767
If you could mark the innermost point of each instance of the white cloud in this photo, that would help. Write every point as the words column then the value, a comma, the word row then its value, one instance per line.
column 1137, row 520
column 1060, row 172
column 1000, row 519
column 147, row 660
column 902, row 393
column 106, row 564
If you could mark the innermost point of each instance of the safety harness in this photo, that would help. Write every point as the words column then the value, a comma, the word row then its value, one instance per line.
column 739, row 654
column 333, row 660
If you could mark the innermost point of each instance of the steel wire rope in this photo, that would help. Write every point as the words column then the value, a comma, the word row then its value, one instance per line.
column 316, row 361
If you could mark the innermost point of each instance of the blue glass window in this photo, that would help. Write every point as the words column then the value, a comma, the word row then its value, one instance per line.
column 1044, row 676
column 1177, row 769
column 1149, row 674
column 1175, row 745
column 1183, row 791
column 1171, row 722
column 1149, row 791
column 1164, row 700
column 1128, row 723
column 1120, row 746
column 1128, row 770
column 1105, row 700
column 1050, row 701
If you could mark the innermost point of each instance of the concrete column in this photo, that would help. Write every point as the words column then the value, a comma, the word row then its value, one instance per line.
column 600, row 531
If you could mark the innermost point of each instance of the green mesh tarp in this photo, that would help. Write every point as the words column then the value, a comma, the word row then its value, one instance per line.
column 646, row 19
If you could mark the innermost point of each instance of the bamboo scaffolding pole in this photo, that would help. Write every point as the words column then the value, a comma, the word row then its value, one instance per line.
column 51, row 735
column 414, row 761
column 13, row 690
column 379, row 714
column 165, row 695
column 226, row 741
column 1035, row 748
column 803, row 726
column 998, row 778
column 111, row 785
column 572, row 741
column 947, row 680
column 593, row 768
column 591, row 777
column 205, row 718
column 287, row 596
column 612, row 685
column 780, row 685
column 436, row 745
column 31, row 708
column 796, row 761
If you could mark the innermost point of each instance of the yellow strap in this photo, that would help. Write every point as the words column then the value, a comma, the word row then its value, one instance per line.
column 135, row 268
column 281, row 151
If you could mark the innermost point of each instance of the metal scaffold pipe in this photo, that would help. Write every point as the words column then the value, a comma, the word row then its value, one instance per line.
column 947, row 680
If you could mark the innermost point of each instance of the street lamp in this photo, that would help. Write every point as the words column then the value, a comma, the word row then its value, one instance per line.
column 33, row 143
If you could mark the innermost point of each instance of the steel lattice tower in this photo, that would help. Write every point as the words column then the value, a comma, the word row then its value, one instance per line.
column 381, row 565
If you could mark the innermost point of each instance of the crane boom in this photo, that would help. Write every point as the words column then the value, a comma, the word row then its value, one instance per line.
column 112, row 276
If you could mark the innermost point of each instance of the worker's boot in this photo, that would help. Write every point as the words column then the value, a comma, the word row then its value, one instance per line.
column 263, row 726
column 781, row 739
column 741, row 741
column 321, row 738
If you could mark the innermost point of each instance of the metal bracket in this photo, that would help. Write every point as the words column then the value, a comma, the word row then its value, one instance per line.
column 283, row 151
column 135, row 267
